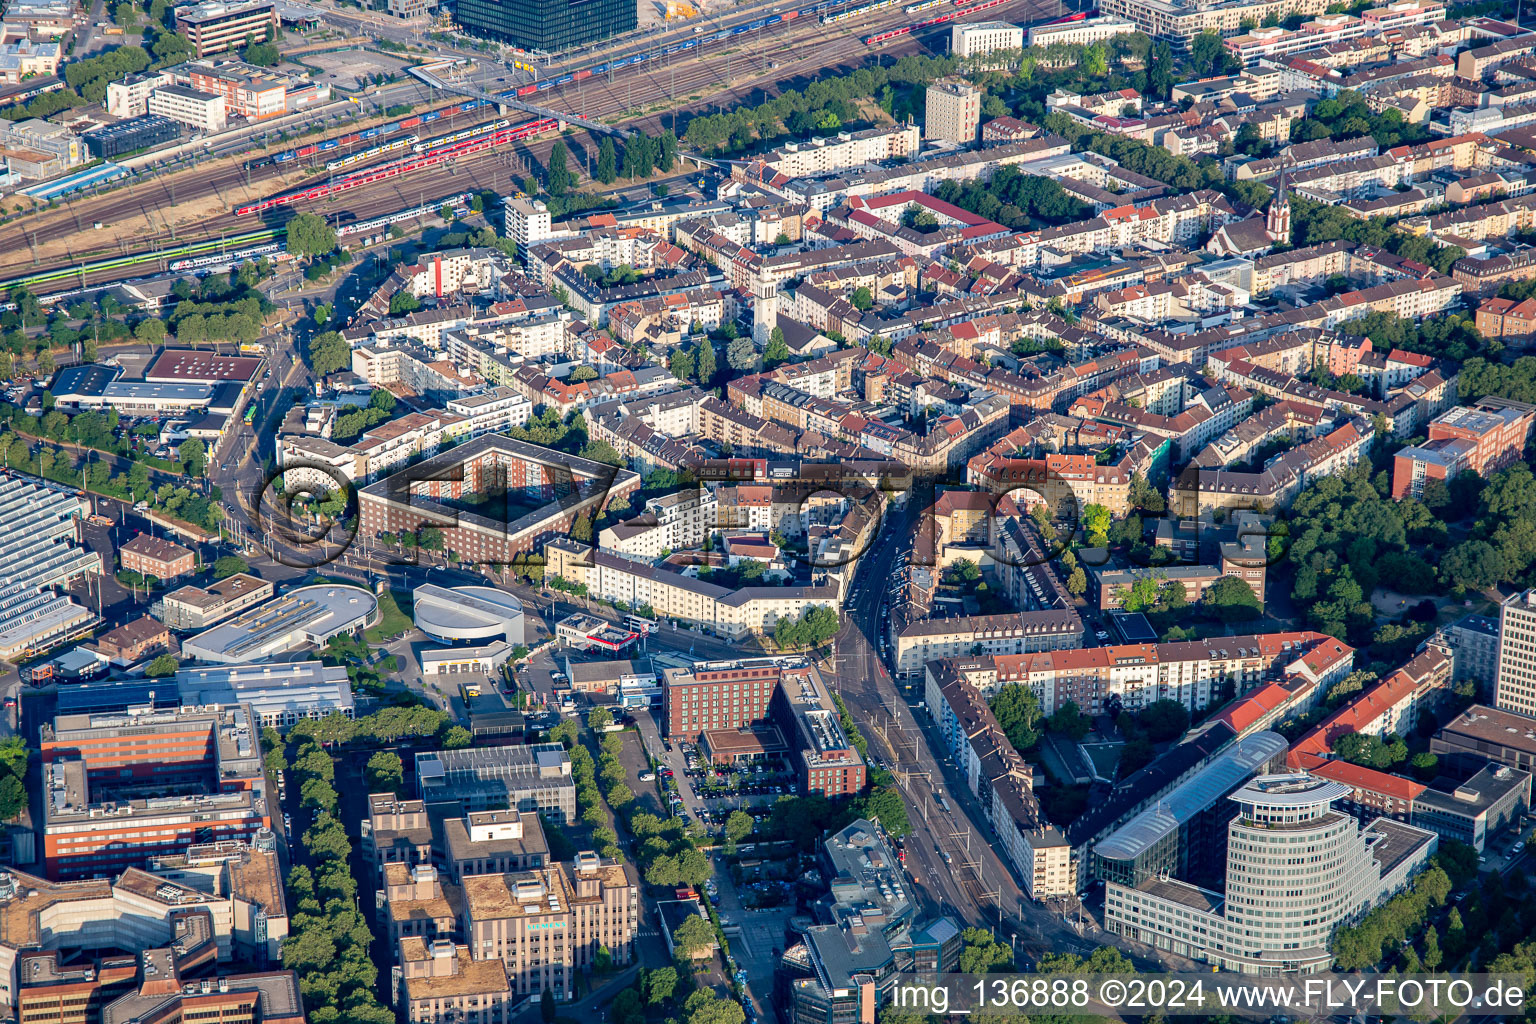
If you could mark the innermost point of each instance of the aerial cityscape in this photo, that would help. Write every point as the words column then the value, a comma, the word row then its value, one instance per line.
column 704, row 512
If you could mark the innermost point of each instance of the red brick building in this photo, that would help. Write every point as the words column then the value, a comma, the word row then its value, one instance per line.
column 715, row 702
column 1482, row 438
column 157, row 557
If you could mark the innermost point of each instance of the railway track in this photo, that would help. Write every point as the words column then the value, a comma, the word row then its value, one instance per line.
column 799, row 52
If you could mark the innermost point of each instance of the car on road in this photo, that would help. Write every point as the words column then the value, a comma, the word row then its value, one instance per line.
column 1517, row 849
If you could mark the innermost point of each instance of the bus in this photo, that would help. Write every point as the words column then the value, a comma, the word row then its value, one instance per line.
column 640, row 624
column 250, row 414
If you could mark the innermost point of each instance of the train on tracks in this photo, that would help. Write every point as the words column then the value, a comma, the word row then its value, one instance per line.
column 363, row 227
column 224, row 260
column 376, row 132
column 430, row 158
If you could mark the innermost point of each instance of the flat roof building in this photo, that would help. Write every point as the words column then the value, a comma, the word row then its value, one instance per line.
column 1497, row 735
column 192, row 607
column 536, row 778
column 308, row 615
column 216, row 26
column 156, row 556
column 113, row 140
column 119, row 789
column 278, row 693
column 1296, row 869
column 1180, row 835
column 38, row 552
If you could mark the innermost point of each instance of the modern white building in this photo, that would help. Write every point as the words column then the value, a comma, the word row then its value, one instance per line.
column 1296, row 869
column 981, row 37
column 527, row 222
column 672, row 522
column 1080, row 33
column 204, row 111
column 450, row 614
column 1515, row 688
column 492, row 412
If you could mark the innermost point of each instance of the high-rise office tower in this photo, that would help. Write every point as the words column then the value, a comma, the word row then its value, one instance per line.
column 1515, row 688
column 547, row 24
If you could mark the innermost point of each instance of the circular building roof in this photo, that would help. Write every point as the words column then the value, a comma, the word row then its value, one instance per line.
column 467, row 613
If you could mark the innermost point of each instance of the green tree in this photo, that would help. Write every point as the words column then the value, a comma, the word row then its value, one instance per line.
column 14, row 757
column 777, row 351
column 559, row 173
column 607, row 166
column 738, row 826
column 403, row 302
column 693, row 936
column 862, row 299
column 1077, row 582
column 162, row 665
column 1096, row 520
column 150, row 330
column 456, row 737
column 1231, row 600
column 740, row 355
column 1018, row 714
column 1070, row 721
column 309, row 236
column 599, row 718
column 229, row 565
column 681, row 364
column 547, row 1009
column 329, row 353
column 660, row 984
column 386, row 772
column 704, row 362
column 193, row 455
column 983, row 954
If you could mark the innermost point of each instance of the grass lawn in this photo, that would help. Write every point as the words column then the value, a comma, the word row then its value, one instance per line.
column 392, row 619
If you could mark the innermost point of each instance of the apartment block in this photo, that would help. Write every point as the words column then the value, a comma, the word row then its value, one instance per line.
column 953, row 112
column 204, row 111
column 983, row 37
column 1472, row 811
column 544, row 925
column 1515, row 687
column 439, row 980
column 998, row 776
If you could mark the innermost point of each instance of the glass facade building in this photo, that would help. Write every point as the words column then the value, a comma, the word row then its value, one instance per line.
column 547, row 24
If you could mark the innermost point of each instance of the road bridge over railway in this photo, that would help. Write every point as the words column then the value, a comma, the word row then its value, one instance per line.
column 426, row 73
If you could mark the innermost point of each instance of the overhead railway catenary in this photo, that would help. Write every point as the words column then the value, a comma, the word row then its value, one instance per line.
column 431, row 158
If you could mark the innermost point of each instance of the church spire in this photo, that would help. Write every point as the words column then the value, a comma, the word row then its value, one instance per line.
column 1278, row 224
